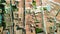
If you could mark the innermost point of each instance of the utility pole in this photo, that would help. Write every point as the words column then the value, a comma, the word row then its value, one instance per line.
column 43, row 21
column 24, row 23
column 12, row 18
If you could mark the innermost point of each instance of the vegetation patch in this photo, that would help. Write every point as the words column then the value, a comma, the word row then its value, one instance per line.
column 39, row 30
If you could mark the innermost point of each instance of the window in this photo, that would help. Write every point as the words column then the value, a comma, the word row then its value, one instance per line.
column 28, row 11
column 7, row 9
column 15, row 15
column 51, row 28
column 50, row 19
column 31, row 25
column 19, row 19
column 36, row 21
column 14, row 7
column 16, row 2
column 56, row 30
column 17, row 27
column 7, row 19
column 37, row 26
column 31, row 31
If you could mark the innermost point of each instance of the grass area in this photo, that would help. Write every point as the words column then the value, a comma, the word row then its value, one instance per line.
column 44, row 8
column 39, row 30
column 34, row 4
